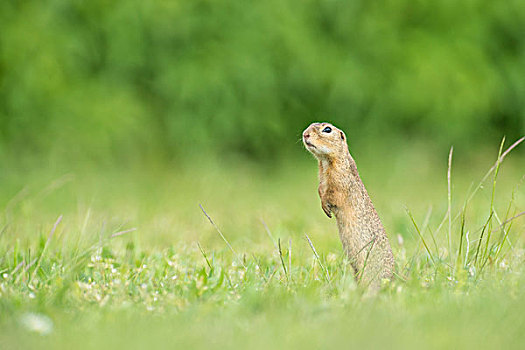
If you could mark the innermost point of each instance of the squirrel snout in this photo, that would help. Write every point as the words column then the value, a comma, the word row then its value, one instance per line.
column 306, row 136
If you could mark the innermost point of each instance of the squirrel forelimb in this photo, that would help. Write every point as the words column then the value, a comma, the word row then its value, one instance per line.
column 325, row 204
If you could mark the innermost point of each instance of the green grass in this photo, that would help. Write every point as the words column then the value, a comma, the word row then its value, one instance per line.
column 126, row 258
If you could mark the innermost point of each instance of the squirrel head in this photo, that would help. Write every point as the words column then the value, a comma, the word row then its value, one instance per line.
column 324, row 140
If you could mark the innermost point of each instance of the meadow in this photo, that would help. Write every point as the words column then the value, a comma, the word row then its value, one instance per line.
column 154, row 191
column 235, row 254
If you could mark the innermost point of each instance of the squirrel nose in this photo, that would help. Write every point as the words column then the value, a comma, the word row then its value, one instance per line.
column 306, row 136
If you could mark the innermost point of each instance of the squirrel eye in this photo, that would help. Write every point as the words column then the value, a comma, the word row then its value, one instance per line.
column 327, row 130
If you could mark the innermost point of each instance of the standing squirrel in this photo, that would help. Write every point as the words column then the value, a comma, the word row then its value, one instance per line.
column 343, row 194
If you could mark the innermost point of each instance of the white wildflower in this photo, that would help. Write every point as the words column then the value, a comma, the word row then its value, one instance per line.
column 37, row 323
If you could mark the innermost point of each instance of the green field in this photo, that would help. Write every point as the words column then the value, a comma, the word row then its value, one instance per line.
column 120, row 120
column 126, row 258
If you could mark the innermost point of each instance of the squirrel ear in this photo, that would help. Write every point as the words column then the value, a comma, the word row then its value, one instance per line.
column 342, row 136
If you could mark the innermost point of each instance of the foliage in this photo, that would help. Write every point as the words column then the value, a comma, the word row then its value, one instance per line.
column 124, row 80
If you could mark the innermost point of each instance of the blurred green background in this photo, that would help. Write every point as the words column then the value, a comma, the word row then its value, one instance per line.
column 115, row 82
column 121, row 117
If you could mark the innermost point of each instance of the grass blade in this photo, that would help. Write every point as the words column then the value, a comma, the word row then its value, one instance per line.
column 318, row 259
column 282, row 260
column 449, row 200
column 222, row 236
column 421, row 236
column 51, row 233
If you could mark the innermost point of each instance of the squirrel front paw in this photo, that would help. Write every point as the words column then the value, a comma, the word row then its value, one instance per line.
column 326, row 209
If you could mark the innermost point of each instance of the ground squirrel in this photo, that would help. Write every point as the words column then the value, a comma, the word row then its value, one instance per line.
column 342, row 193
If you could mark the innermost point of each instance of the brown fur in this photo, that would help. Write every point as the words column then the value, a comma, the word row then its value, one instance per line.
column 343, row 194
